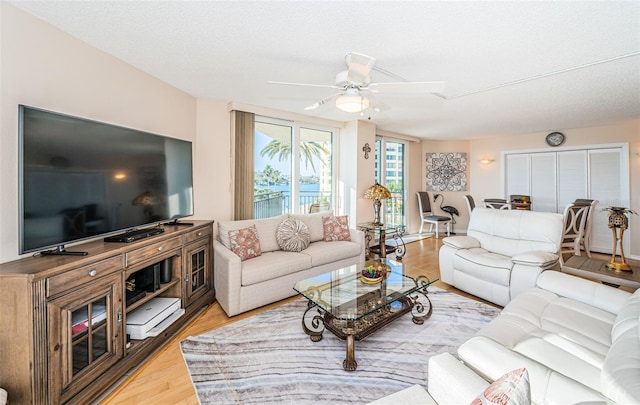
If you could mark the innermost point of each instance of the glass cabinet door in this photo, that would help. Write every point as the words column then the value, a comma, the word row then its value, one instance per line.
column 84, row 325
column 89, row 334
column 198, row 270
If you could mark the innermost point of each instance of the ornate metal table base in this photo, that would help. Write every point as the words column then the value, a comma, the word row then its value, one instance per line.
column 400, row 249
column 315, row 320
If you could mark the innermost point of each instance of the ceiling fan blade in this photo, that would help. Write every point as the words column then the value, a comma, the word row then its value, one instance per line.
column 322, row 102
column 324, row 86
column 376, row 105
column 407, row 87
column 359, row 67
column 379, row 107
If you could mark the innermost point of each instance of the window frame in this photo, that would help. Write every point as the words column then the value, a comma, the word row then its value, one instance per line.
column 296, row 126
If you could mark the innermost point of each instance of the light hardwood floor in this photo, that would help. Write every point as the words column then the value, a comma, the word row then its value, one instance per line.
column 164, row 378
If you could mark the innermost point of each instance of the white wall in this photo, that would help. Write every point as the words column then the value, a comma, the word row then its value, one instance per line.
column 366, row 133
column 44, row 67
column 212, row 165
column 453, row 198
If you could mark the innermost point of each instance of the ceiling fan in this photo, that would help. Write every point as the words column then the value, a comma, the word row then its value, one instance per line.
column 357, row 90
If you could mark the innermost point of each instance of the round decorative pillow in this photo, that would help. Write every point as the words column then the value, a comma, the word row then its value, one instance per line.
column 293, row 235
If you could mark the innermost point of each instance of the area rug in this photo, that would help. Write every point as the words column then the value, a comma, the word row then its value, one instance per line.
column 267, row 358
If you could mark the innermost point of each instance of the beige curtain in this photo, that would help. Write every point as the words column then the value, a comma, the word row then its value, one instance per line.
column 243, row 184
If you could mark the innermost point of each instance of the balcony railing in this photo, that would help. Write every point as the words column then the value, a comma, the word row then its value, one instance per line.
column 266, row 205
column 394, row 209
column 276, row 203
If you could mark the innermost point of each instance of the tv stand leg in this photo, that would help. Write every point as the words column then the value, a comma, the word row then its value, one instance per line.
column 60, row 250
column 176, row 222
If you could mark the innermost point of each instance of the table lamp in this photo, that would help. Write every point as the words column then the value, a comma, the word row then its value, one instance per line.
column 377, row 193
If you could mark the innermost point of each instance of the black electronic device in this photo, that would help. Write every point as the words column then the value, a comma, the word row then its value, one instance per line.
column 147, row 279
column 81, row 179
column 132, row 236
column 133, row 296
column 165, row 271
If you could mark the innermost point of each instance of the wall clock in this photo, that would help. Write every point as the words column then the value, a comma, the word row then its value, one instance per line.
column 555, row 139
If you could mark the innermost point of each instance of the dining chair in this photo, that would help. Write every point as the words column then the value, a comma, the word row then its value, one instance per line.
column 471, row 204
column 426, row 214
column 574, row 220
column 497, row 203
column 585, row 241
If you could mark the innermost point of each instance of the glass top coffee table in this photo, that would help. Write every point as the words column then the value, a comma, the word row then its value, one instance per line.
column 352, row 307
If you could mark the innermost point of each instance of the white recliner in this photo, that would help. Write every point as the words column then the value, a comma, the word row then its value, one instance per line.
column 579, row 341
column 503, row 253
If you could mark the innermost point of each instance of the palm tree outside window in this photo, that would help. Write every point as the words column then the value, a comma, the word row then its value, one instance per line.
column 283, row 184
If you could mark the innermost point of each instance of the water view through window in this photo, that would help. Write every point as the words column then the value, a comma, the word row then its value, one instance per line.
column 284, row 184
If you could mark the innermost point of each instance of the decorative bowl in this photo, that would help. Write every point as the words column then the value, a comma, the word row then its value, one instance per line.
column 371, row 275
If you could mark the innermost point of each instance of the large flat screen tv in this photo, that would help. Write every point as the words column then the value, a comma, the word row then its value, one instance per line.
column 82, row 179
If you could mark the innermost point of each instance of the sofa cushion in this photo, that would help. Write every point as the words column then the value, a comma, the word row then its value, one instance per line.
column 511, row 232
column 620, row 371
column 541, row 259
column 598, row 295
column 461, row 242
column 272, row 265
column 245, row 243
column 510, row 389
column 314, row 223
column 628, row 316
column 484, row 265
column 326, row 252
column 336, row 228
column 266, row 231
column 292, row 235
column 412, row 395
column 562, row 334
column 560, row 321
column 620, row 380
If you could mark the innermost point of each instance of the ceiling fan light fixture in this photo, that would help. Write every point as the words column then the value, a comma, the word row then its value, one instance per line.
column 352, row 103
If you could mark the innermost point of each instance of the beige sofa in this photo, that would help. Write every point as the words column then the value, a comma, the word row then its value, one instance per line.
column 244, row 285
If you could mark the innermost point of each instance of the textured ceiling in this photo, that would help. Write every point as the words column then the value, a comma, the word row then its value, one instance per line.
column 509, row 67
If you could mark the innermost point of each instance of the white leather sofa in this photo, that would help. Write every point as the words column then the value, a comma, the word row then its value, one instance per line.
column 450, row 383
column 502, row 254
column 244, row 285
column 579, row 341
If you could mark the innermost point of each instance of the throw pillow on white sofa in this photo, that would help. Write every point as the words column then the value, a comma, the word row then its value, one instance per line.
column 293, row 235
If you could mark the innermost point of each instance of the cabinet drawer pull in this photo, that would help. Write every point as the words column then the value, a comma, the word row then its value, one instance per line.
column 199, row 233
column 93, row 272
column 159, row 248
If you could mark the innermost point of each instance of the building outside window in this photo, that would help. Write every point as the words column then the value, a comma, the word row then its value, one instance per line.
column 393, row 177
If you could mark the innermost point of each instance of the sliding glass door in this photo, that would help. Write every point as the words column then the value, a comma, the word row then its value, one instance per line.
column 390, row 171
column 293, row 168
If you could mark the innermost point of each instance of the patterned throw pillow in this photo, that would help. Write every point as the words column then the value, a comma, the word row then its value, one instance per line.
column 510, row 389
column 336, row 228
column 293, row 235
column 245, row 243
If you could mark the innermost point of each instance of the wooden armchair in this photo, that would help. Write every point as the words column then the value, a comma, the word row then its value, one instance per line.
column 574, row 221
column 497, row 203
